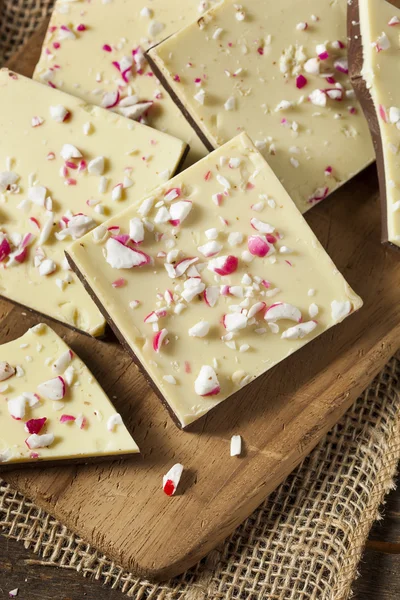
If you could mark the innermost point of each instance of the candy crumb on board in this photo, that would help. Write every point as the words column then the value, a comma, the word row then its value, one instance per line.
column 172, row 478
column 236, row 445
column 13, row 593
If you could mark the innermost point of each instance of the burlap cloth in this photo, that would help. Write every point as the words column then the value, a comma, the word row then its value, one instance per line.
column 303, row 543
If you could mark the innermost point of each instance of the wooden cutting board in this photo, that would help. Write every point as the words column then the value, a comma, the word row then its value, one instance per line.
column 120, row 507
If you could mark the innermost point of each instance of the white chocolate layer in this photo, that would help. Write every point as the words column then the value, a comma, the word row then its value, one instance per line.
column 41, row 356
column 196, row 332
column 85, row 69
column 277, row 70
column 380, row 27
column 33, row 172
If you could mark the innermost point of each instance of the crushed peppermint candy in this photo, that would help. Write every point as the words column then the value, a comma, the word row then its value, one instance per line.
column 236, row 445
column 307, row 62
column 171, row 479
column 215, row 298
column 41, row 433
column 78, row 177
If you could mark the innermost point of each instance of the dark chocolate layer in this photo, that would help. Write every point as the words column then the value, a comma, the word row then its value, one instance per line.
column 192, row 122
column 122, row 339
column 356, row 60
column 5, row 466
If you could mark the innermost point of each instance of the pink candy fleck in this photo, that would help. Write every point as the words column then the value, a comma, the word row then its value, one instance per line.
column 66, row 418
column 107, row 48
column 71, row 165
column 35, row 425
column 177, row 78
column 81, row 27
column 118, row 283
column 35, row 221
column 301, row 81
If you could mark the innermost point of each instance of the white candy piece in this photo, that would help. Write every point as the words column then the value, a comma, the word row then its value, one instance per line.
column 6, row 371
column 116, row 193
column 136, row 230
column 211, row 295
column 235, row 238
column 236, row 445
column 162, row 215
column 200, row 96
column 174, row 475
column 261, row 226
column 16, row 407
column 192, row 287
column 180, row 210
column 62, row 362
column 299, row 331
column 119, row 256
column 256, row 308
column 78, row 226
column 210, row 248
column 318, row 98
column 58, row 113
column 201, row 329
column 114, row 421
column 69, row 151
column 235, row 321
column 39, row 441
column 211, row 234
column 96, row 166
column 340, row 310
column 46, row 229
column 37, row 194
column 7, row 178
column 53, row 389
column 47, row 267
column 282, row 311
column 69, row 375
column 206, row 383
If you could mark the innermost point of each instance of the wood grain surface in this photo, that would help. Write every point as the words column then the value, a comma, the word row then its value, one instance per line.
column 379, row 569
column 120, row 507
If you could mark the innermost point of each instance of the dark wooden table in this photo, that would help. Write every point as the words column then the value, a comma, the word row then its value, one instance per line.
column 379, row 568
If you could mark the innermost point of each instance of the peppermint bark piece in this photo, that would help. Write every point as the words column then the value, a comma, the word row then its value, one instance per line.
column 65, row 168
column 212, row 280
column 277, row 70
column 97, row 54
column 374, row 27
column 52, row 408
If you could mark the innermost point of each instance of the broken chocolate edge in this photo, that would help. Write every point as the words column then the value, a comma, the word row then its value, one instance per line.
column 180, row 164
column 356, row 60
column 34, row 311
column 41, row 462
column 123, row 341
column 192, row 122
column 105, row 333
